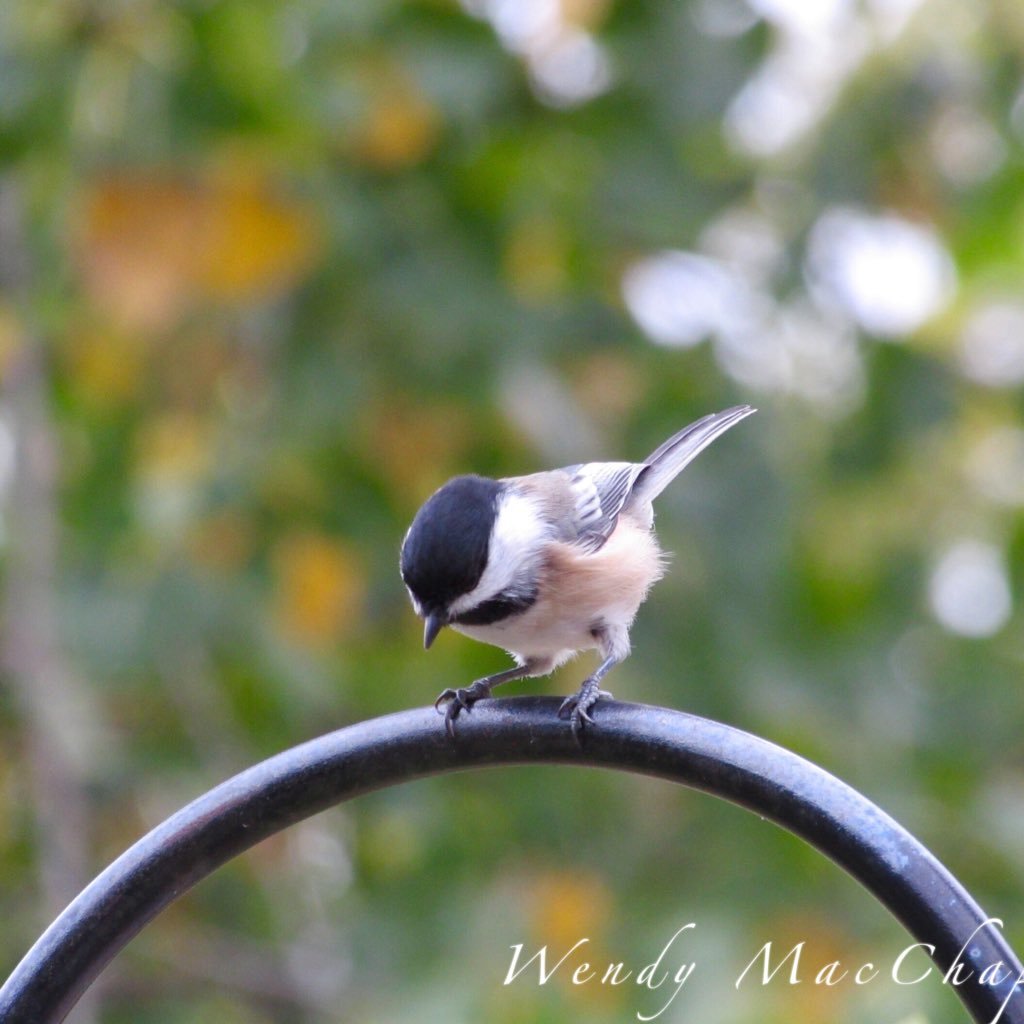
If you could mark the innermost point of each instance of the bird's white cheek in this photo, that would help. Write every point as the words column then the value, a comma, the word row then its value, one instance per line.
column 417, row 607
column 519, row 534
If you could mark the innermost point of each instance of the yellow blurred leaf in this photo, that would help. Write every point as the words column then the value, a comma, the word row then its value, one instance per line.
column 174, row 446
column 148, row 244
column 255, row 241
column 566, row 906
column 319, row 588
column 289, row 483
column 416, row 446
column 400, row 125
column 854, row 529
column 135, row 242
column 12, row 338
column 586, row 14
column 392, row 845
column 105, row 366
column 536, row 259
column 173, row 455
column 824, row 944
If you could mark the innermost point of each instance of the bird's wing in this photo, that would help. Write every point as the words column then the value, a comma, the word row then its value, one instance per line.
column 599, row 490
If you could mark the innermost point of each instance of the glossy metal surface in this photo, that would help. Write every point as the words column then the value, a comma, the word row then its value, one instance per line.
column 702, row 754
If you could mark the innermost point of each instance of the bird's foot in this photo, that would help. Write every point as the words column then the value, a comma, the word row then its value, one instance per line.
column 577, row 707
column 459, row 700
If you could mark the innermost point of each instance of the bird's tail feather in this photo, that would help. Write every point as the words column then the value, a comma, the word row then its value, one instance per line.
column 670, row 459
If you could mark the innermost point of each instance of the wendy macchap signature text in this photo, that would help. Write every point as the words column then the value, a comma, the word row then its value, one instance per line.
column 659, row 981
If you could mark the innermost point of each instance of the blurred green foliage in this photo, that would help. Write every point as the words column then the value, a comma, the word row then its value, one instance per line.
column 274, row 271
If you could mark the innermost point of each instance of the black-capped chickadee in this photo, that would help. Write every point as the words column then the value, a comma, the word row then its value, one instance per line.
column 546, row 565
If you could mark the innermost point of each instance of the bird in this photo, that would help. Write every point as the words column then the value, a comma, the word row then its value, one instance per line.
column 546, row 565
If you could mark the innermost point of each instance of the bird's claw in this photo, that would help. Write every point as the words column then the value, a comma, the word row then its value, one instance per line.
column 449, row 694
column 577, row 707
column 457, row 701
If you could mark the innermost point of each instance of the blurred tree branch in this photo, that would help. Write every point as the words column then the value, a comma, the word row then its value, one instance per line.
column 57, row 722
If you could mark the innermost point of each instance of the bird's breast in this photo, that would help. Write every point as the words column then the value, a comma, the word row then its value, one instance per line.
column 578, row 593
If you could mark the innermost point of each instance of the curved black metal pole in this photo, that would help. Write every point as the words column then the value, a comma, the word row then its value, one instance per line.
column 699, row 753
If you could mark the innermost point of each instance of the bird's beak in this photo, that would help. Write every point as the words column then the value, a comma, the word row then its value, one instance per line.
column 433, row 626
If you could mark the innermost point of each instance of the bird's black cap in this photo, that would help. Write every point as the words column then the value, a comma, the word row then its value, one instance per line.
column 445, row 550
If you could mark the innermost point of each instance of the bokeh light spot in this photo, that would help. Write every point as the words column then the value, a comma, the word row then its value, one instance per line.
column 992, row 345
column 680, row 298
column 969, row 590
column 889, row 274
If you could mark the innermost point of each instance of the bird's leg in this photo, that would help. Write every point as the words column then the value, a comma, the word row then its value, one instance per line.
column 613, row 642
column 465, row 697
column 577, row 707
